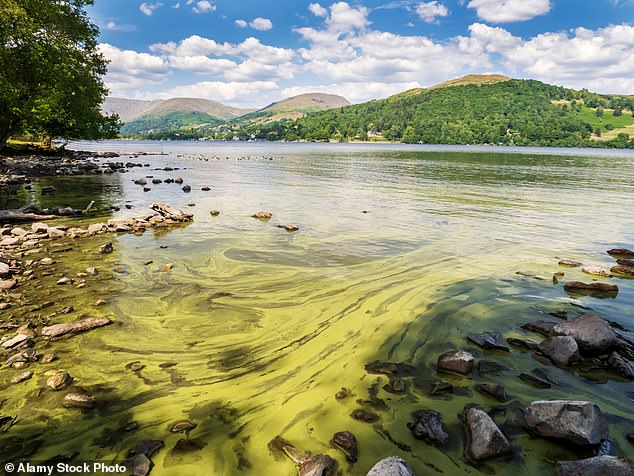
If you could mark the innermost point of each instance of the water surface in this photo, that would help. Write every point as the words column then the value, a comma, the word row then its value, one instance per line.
column 402, row 251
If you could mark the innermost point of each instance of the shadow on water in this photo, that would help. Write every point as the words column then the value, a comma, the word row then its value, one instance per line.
column 485, row 305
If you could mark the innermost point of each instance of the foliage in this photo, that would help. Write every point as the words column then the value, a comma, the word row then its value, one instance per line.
column 172, row 121
column 50, row 71
column 516, row 112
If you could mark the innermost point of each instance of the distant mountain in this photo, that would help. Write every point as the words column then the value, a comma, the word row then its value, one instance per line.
column 142, row 117
column 293, row 108
column 188, row 116
column 475, row 109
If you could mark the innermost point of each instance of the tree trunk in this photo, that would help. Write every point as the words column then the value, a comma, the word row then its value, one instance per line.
column 6, row 126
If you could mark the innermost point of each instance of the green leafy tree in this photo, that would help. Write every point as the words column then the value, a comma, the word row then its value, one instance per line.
column 51, row 72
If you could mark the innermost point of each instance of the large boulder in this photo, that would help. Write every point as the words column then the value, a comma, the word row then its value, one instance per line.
column 579, row 422
column 592, row 334
column 597, row 466
column 458, row 361
column 486, row 440
column 562, row 350
column 392, row 466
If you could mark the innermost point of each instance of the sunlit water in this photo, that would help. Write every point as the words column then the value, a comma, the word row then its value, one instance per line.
column 255, row 330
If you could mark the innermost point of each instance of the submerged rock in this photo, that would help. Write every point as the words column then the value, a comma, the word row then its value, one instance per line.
column 486, row 440
column 562, row 350
column 346, row 442
column 182, row 426
column 59, row 381
column 78, row 399
column 621, row 365
column 214, row 213
column 440, row 388
column 570, row 263
column 623, row 270
column 494, row 390
column 58, row 330
column 593, row 288
column 597, row 466
column 106, row 248
column 491, row 367
column 579, row 422
column 139, row 465
column 147, row 448
column 522, row 343
column 21, row 377
column 392, row 466
column 364, row 415
column 263, row 215
column 592, row 334
column 390, row 369
column 459, row 361
column 535, row 381
column 428, row 427
column 15, row 341
column 318, row 465
column 539, row 327
column 488, row 340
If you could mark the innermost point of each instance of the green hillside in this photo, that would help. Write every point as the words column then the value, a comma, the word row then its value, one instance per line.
column 168, row 122
column 507, row 112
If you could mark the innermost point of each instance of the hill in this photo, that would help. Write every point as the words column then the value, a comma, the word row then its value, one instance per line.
column 293, row 108
column 171, row 115
column 470, row 79
column 472, row 110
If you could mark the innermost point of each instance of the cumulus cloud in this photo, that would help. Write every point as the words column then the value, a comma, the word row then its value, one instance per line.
column 261, row 24
column 149, row 8
column 506, row 11
column 430, row 11
column 237, row 93
column 241, row 23
column 317, row 10
column 203, row 6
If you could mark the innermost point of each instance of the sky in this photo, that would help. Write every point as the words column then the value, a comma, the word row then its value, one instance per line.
column 249, row 53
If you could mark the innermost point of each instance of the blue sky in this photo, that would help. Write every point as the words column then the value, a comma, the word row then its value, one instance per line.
column 249, row 53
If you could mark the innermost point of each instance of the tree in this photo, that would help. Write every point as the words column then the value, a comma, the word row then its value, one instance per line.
column 597, row 132
column 51, row 71
column 600, row 111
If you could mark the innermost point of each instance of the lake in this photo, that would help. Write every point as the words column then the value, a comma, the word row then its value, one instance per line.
column 401, row 252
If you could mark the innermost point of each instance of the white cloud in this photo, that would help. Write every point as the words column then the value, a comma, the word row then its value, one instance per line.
column 261, row 24
column 149, row 8
column 236, row 93
column 241, row 23
column 430, row 11
column 354, row 91
column 506, row 11
column 203, row 6
column 193, row 46
column 177, row 5
column 317, row 10
column 345, row 18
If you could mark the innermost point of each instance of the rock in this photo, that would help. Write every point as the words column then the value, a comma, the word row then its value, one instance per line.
column 78, row 399
column 539, row 327
column 75, row 327
column 5, row 270
column 187, row 189
column 156, row 181
column 182, row 426
column 392, row 466
column 55, row 233
column 622, row 366
column 535, row 381
column 428, row 427
column 592, row 334
column 147, row 448
column 65, row 281
column 169, row 213
column 140, row 182
column 47, row 261
column 59, row 381
column 138, row 465
column 215, row 213
column 92, row 271
column 570, row 263
column 289, row 228
column 106, row 248
column 621, row 252
column 596, row 271
column 4, row 306
column 22, row 377
column 26, row 330
column 263, row 215
column 623, row 270
column 440, row 388
column 178, row 181
column 390, row 368
column 597, row 466
column 10, row 241
column 491, row 367
column 485, row 438
column 39, row 227
column 592, row 288
column 346, row 442
column 205, row 189
column 48, row 358
column 100, row 302
column 562, row 350
column 319, row 465
column 395, row 385
column 459, row 361
column 579, row 422
column 522, row 343
column 364, row 415
column 15, row 341
column 494, row 390
column 96, row 228
column 19, row 232
column 6, row 284
column 48, row 190
column 488, row 340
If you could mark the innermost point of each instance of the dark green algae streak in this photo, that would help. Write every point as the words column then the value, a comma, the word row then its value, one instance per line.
column 255, row 330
